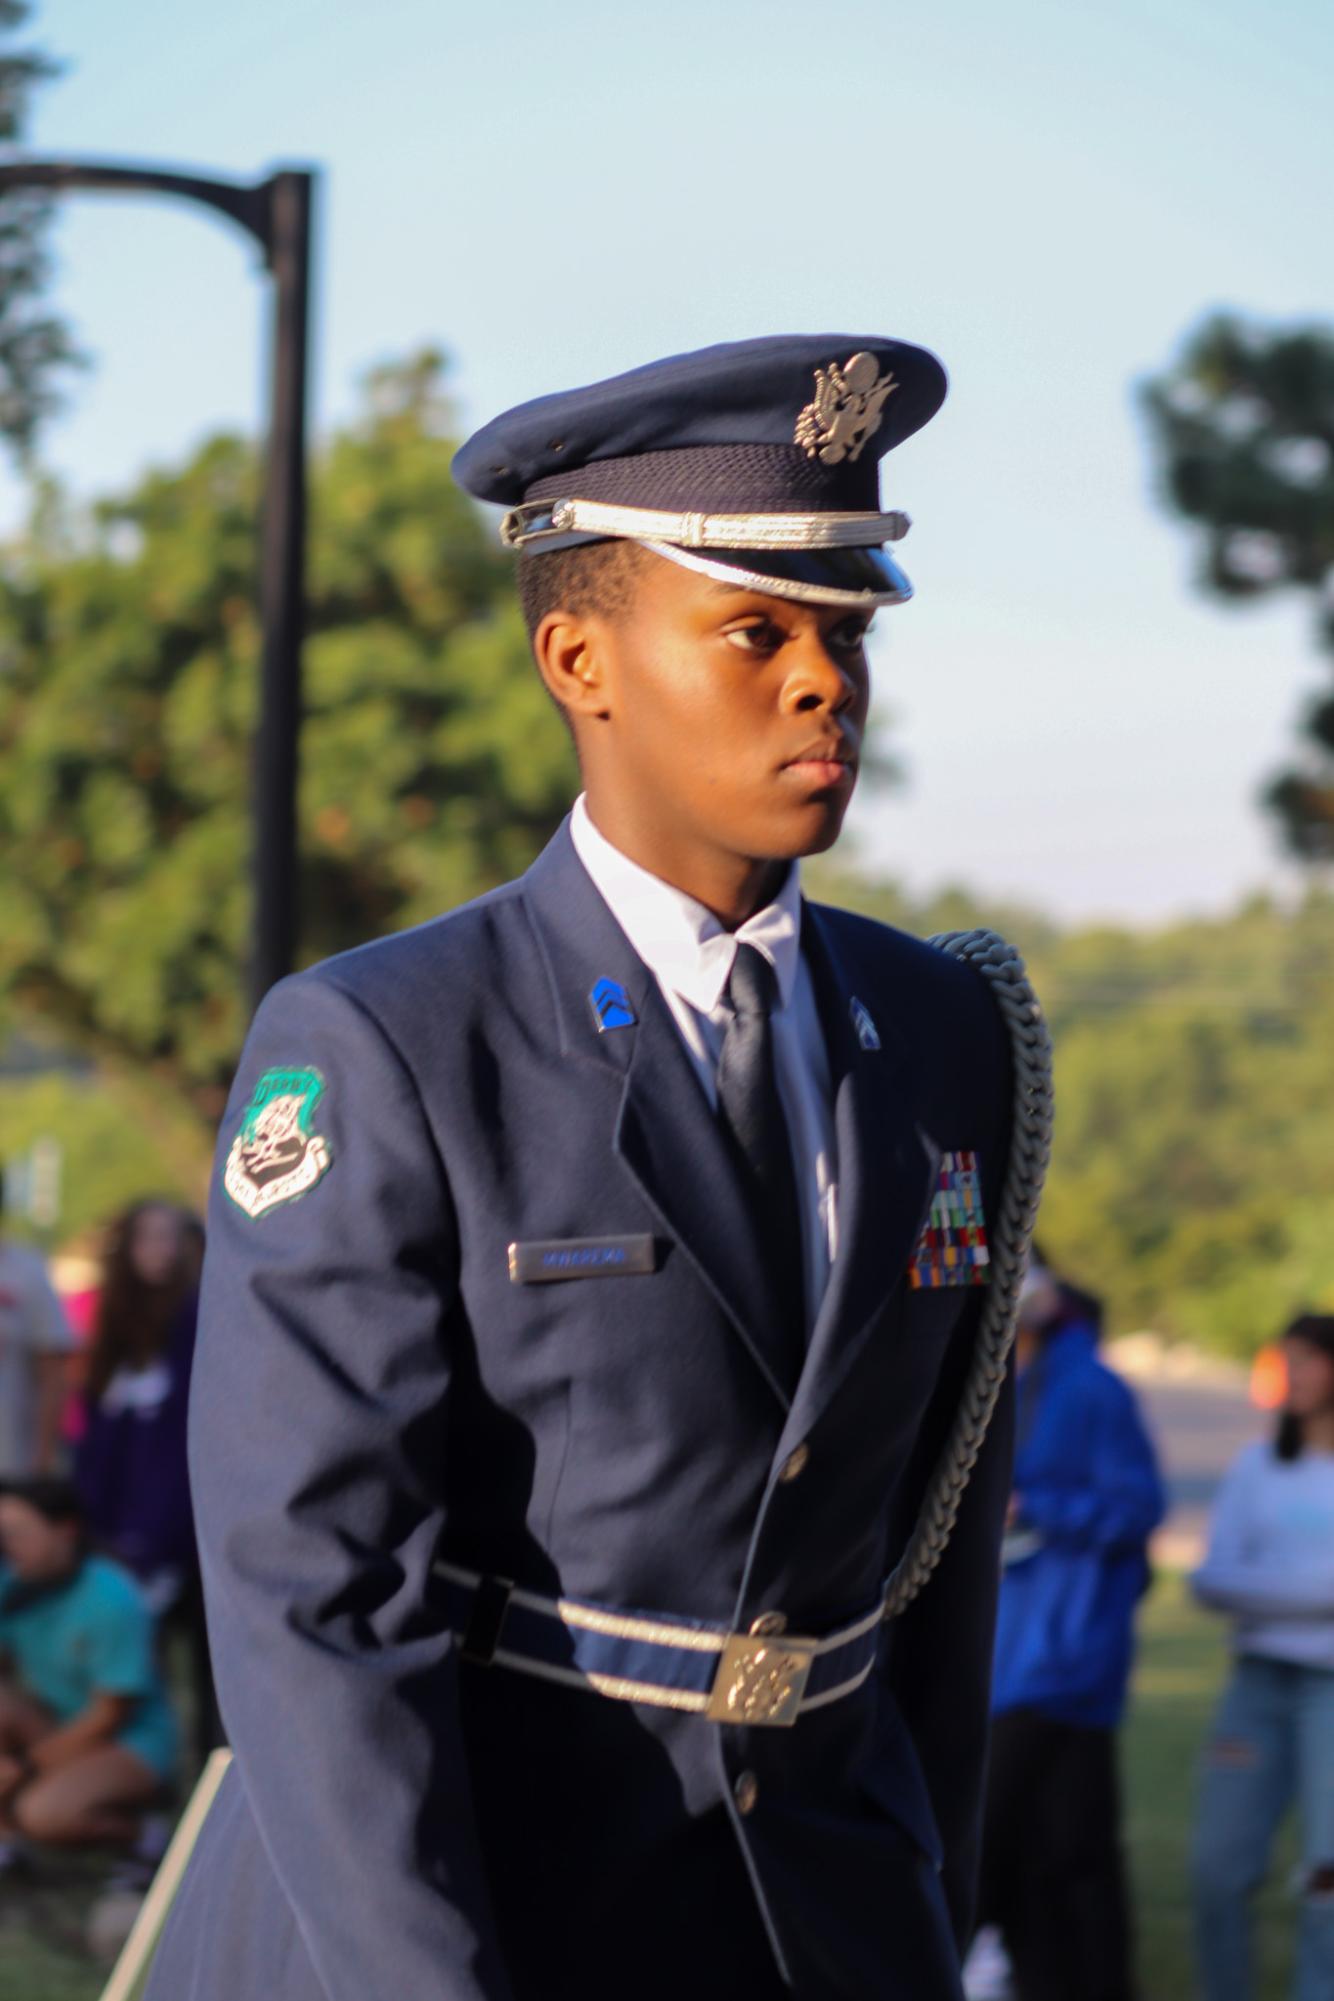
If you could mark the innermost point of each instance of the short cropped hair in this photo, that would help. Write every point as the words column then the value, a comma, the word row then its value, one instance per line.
column 1079, row 1305
column 53, row 1498
column 593, row 577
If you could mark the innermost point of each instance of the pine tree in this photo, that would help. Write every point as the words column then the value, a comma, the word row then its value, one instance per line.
column 1243, row 425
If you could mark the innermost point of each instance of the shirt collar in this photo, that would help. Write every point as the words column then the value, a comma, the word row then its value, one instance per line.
column 683, row 944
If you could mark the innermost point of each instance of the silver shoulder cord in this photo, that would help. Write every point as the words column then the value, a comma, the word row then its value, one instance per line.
column 1030, row 1150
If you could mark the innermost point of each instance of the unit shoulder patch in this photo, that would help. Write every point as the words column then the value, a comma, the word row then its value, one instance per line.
column 952, row 1249
column 277, row 1155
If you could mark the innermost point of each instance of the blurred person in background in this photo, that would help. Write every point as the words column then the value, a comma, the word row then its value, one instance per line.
column 35, row 1342
column 1270, row 1567
column 1087, row 1494
column 130, row 1465
column 87, row 1736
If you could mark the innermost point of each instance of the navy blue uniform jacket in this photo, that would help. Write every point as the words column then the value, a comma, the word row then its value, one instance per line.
column 373, row 1391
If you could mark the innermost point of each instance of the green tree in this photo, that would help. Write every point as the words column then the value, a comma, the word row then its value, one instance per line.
column 1192, row 1178
column 1243, row 428
column 35, row 345
column 433, row 763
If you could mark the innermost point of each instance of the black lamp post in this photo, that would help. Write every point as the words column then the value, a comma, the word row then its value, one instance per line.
column 277, row 212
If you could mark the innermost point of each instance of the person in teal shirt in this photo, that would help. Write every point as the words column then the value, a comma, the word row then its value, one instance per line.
column 88, row 1739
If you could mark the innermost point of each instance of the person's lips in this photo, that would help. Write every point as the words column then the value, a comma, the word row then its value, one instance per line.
column 828, row 761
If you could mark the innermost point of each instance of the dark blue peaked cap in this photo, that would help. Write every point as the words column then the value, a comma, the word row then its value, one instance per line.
column 757, row 460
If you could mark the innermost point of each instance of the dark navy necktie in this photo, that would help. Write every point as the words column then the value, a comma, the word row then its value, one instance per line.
column 752, row 1111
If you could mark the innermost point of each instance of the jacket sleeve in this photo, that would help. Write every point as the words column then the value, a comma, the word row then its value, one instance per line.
column 44, row 1323
column 940, row 1651
column 1252, row 1593
column 321, row 1383
column 1236, row 1578
column 1120, row 1500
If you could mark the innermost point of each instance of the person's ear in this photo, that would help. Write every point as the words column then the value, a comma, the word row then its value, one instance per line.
column 571, row 657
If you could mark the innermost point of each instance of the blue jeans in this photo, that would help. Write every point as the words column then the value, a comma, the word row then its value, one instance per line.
column 1272, row 1745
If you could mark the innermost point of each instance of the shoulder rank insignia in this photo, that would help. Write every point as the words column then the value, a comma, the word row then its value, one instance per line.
column 277, row 1156
column 846, row 409
column 952, row 1249
column 611, row 1006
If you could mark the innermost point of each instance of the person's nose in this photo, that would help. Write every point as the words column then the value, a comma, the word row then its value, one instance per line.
column 825, row 677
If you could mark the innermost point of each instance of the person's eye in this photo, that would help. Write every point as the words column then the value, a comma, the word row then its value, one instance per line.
column 852, row 635
column 760, row 636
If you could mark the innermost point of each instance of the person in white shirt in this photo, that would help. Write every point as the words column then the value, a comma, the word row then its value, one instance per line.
column 1270, row 1566
column 35, row 1339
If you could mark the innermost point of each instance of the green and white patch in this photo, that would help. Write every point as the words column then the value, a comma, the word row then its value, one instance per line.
column 277, row 1155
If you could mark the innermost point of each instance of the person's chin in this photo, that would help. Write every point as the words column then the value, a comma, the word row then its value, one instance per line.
column 826, row 837
column 814, row 828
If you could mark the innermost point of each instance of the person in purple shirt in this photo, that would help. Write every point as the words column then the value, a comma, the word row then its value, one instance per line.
column 131, row 1468
column 131, row 1464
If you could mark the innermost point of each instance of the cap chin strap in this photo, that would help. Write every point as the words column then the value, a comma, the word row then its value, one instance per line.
column 549, row 524
column 782, row 587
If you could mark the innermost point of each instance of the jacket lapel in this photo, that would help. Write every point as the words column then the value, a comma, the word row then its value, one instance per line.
column 663, row 1132
column 886, row 1165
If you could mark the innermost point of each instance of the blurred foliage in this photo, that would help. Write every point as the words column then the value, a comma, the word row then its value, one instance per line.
column 35, row 345
column 434, row 765
column 1193, row 1178
column 1192, row 1183
column 1243, row 426
column 121, row 1137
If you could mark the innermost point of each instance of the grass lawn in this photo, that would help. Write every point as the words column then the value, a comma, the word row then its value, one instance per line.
column 42, row 1955
column 1181, row 1664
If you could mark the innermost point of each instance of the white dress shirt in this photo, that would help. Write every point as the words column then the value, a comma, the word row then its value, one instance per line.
column 690, row 955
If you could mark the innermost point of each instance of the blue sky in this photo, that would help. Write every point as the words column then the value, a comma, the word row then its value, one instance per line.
column 1049, row 196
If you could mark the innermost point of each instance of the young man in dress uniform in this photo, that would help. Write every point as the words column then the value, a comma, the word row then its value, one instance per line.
column 579, row 1335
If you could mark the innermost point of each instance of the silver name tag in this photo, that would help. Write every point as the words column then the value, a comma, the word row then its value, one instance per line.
column 580, row 1257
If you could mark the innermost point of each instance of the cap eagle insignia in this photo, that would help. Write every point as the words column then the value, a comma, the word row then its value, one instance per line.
column 846, row 410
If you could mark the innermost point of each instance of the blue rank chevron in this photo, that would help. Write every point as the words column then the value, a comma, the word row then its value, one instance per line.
column 611, row 1006
column 867, row 1033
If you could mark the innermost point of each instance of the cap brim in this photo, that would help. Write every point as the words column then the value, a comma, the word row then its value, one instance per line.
column 858, row 578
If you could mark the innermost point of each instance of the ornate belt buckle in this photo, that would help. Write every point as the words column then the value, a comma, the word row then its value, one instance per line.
column 761, row 1680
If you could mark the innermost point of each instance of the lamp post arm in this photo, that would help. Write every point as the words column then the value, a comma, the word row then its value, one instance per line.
column 250, row 205
column 277, row 213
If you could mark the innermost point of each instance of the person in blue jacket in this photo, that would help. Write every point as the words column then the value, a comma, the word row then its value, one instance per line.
column 1087, row 1494
column 593, row 1275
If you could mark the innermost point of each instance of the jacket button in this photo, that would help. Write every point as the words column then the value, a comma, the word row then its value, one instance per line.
column 795, row 1464
column 769, row 1622
column 745, row 1792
